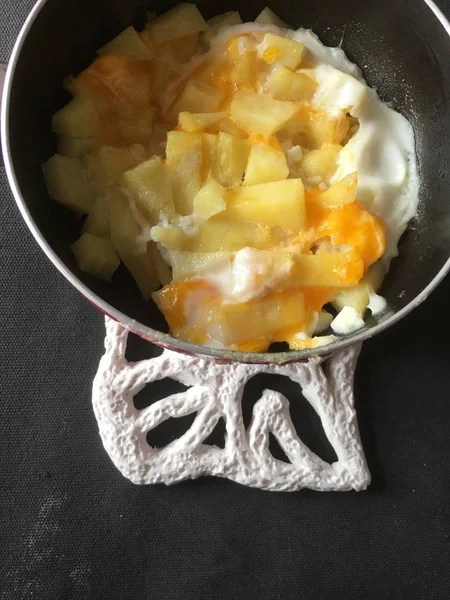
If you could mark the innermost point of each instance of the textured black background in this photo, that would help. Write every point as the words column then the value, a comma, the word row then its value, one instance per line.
column 72, row 527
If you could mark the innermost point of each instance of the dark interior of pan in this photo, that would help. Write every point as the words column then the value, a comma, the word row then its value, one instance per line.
column 401, row 46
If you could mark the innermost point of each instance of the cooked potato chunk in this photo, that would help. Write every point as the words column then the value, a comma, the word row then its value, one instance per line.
column 265, row 164
column 342, row 192
column 260, row 114
column 96, row 255
column 210, row 200
column 268, row 17
column 193, row 122
column 198, row 97
column 184, row 154
column 78, row 119
column 283, row 84
column 77, row 147
column 128, row 44
column 277, row 49
column 66, row 183
column 170, row 237
column 232, row 155
column 97, row 221
column 356, row 297
column 150, row 185
column 136, row 127
column 178, row 22
column 187, row 264
column 209, row 155
column 337, row 269
column 220, row 234
column 244, row 71
column 277, row 204
column 322, row 162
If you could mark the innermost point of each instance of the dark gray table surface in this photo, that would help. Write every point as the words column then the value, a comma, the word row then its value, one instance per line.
column 72, row 527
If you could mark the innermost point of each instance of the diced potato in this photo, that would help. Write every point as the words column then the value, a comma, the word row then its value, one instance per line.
column 281, row 50
column 136, row 127
column 79, row 119
column 232, row 156
column 171, row 237
column 193, row 122
column 105, row 167
column 210, row 200
column 227, row 125
column 374, row 275
column 283, row 84
column 220, row 234
column 182, row 20
column 260, row 114
column 209, row 155
column 66, row 183
column 97, row 221
column 243, row 73
column 184, row 158
column 265, row 164
column 278, row 204
column 356, row 297
column 323, row 322
column 96, row 255
column 321, row 162
column 262, row 318
column 124, row 235
column 128, row 44
column 342, row 192
column 225, row 20
column 76, row 147
column 320, row 129
column 337, row 269
column 268, row 17
column 163, row 271
column 150, row 185
column 198, row 97
column 188, row 264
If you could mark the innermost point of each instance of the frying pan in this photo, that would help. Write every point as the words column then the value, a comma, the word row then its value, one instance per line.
column 403, row 48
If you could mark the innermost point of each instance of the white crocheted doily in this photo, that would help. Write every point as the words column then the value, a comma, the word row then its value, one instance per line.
column 215, row 392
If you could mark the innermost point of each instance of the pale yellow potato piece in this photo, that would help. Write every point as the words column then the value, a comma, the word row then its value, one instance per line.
column 278, row 204
column 210, row 200
column 227, row 125
column 323, row 322
column 342, row 192
column 184, row 159
column 137, row 126
column 374, row 275
column 194, row 122
column 268, row 17
column 198, row 97
column 231, row 156
column 96, row 255
column 76, row 147
column 260, row 114
column 163, row 271
column 321, row 162
column 189, row 264
column 105, row 167
column 178, row 22
column 67, row 184
column 124, row 235
column 284, row 84
column 220, row 234
column 244, row 70
column 171, row 237
column 127, row 44
column 150, row 185
column 97, row 221
column 209, row 155
column 336, row 269
column 357, row 297
column 79, row 119
column 265, row 164
column 281, row 50
column 217, row 23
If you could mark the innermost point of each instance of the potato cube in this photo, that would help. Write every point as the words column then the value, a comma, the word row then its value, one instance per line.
column 162, row 269
column 320, row 129
column 278, row 204
column 96, row 255
column 227, row 125
column 136, row 127
column 198, row 97
column 66, row 183
column 184, row 152
column 268, row 17
column 217, row 23
column 281, row 50
column 79, row 119
column 356, row 297
column 323, row 322
column 244, row 70
column 342, row 192
column 209, row 155
column 260, row 114
column 322, row 162
column 210, row 200
column 178, row 22
column 336, row 269
column 189, row 264
column 193, row 122
column 374, row 275
column 170, row 237
column 232, row 156
column 150, row 185
column 77, row 147
column 127, row 44
column 283, row 84
column 97, row 221
column 265, row 164
column 220, row 234
column 124, row 235
column 105, row 167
